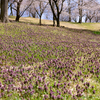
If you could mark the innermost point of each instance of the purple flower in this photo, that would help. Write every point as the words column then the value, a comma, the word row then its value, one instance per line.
column 79, row 94
column 82, row 80
column 46, row 88
column 93, row 91
column 74, row 97
column 68, row 84
column 58, row 96
column 58, row 85
column 92, row 87
column 32, row 92
column 88, row 84
column 45, row 96
column 53, row 97
column 9, row 95
column 30, row 86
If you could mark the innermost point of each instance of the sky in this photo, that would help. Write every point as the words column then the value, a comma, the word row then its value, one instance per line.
column 26, row 15
column 43, row 16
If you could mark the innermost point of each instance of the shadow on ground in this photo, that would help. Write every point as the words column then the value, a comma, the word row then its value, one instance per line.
column 70, row 29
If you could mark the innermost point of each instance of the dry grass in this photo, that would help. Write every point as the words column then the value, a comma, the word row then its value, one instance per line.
column 89, row 26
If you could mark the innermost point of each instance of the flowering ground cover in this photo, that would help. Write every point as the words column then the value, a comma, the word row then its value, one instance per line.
column 48, row 63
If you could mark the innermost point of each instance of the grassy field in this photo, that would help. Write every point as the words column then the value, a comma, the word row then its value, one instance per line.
column 88, row 26
column 48, row 63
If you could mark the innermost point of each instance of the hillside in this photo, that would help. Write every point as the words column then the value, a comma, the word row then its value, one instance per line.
column 48, row 63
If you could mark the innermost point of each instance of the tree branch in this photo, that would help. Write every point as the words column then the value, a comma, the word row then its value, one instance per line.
column 21, row 14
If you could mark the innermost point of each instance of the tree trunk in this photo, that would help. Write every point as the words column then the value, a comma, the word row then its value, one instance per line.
column 53, row 15
column 4, row 11
column 53, row 21
column 80, row 10
column 29, row 14
column 69, row 11
column 0, row 10
column 86, row 19
column 69, row 18
column 11, row 13
column 90, row 20
column 80, row 15
column 80, row 20
column 33, row 15
column 40, row 20
column 17, row 18
column 0, row 16
column 58, row 22
column 75, row 20
column 18, row 12
column 96, row 19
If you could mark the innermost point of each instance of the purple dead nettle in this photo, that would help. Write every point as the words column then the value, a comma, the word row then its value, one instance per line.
column 62, row 61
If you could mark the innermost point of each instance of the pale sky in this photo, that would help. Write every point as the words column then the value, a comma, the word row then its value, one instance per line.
column 43, row 17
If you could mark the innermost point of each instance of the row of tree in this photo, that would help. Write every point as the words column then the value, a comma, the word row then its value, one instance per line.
column 59, row 10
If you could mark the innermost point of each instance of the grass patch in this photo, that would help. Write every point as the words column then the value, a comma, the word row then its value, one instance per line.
column 96, row 32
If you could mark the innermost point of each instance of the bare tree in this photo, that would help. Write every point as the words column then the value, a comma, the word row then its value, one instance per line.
column 75, row 15
column 80, row 4
column 97, row 16
column 4, row 11
column 69, row 10
column 18, row 5
column 31, row 11
column 11, row 13
column 10, row 5
column 39, row 6
column 90, row 15
column 92, row 11
column 0, row 9
column 53, row 6
column 57, row 9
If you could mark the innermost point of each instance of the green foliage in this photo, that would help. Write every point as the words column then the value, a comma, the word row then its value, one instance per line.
column 96, row 32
